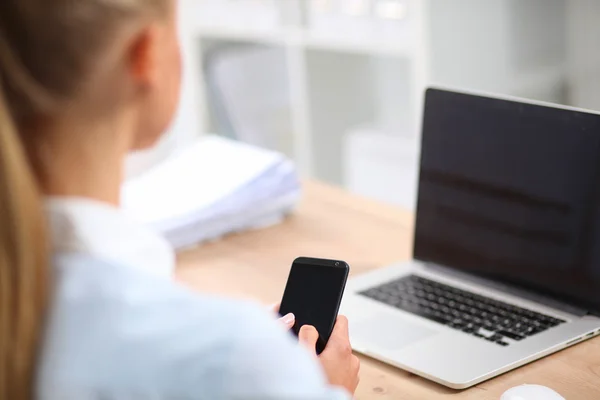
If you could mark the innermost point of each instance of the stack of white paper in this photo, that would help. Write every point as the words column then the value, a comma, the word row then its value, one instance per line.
column 216, row 186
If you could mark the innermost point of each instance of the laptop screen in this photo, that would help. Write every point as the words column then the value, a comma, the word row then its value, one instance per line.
column 511, row 191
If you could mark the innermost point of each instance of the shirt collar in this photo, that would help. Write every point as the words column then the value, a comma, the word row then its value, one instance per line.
column 97, row 229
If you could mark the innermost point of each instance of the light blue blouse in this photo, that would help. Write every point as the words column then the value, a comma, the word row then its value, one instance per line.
column 116, row 331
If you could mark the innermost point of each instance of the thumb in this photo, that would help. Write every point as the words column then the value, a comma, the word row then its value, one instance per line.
column 288, row 320
column 308, row 336
column 340, row 329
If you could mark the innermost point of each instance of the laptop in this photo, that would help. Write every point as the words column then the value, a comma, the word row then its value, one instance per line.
column 506, row 253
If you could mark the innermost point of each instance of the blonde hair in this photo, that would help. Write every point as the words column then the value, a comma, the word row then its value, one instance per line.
column 48, row 49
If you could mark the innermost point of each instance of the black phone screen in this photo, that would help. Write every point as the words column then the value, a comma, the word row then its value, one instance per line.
column 313, row 294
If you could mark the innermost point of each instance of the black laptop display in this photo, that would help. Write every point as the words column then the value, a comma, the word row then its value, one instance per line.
column 511, row 191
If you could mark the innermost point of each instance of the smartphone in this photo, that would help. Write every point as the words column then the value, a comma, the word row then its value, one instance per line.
column 313, row 293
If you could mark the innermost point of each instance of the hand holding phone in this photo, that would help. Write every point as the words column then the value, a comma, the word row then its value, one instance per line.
column 340, row 365
column 313, row 293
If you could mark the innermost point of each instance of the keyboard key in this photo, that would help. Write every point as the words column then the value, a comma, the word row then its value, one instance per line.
column 535, row 331
column 471, row 329
column 494, row 338
column 485, row 333
column 511, row 335
column 487, row 324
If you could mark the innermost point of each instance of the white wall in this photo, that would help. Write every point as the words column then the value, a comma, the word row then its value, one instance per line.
column 583, row 39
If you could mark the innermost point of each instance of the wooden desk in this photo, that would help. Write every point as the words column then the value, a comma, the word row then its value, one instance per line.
column 333, row 224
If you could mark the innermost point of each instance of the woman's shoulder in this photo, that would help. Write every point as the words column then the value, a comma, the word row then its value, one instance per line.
column 113, row 327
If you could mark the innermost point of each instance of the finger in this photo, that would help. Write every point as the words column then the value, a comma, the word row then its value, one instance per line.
column 341, row 327
column 308, row 336
column 288, row 320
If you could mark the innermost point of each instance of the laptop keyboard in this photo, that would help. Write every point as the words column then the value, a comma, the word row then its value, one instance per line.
column 480, row 316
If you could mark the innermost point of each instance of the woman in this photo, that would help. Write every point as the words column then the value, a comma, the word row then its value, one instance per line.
column 83, row 82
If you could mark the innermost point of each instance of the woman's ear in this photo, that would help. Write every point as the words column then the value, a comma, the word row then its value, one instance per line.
column 154, row 65
column 143, row 56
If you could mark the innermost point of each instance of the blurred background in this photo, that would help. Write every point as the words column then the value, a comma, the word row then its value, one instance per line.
column 337, row 85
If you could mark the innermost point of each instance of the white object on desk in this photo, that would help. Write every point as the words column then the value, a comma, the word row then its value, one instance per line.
column 216, row 186
column 531, row 392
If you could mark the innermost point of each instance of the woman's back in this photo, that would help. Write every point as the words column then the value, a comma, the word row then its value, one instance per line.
column 120, row 328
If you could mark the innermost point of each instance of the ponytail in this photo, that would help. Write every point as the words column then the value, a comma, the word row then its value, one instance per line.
column 23, row 263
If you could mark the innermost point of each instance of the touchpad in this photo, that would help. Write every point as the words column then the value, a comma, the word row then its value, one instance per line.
column 386, row 333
